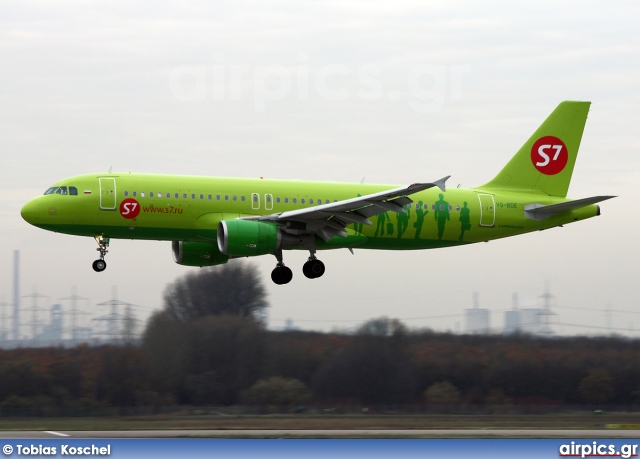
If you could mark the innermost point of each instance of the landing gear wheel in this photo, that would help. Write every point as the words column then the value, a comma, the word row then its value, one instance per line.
column 99, row 266
column 313, row 268
column 281, row 275
column 103, row 247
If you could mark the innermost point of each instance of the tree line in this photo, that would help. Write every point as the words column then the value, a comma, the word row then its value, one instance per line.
column 227, row 360
column 213, row 349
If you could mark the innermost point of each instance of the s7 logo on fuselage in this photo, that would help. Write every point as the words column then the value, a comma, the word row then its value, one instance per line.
column 129, row 208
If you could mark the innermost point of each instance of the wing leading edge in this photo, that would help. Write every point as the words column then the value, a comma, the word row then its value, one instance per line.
column 330, row 220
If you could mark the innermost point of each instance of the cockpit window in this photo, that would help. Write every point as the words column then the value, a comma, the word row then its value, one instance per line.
column 63, row 190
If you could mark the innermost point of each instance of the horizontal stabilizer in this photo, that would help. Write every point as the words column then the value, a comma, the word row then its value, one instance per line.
column 540, row 211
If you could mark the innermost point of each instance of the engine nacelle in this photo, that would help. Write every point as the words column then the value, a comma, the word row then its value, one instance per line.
column 247, row 238
column 197, row 253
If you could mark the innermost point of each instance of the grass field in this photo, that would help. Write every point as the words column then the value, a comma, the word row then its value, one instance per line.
column 327, row 422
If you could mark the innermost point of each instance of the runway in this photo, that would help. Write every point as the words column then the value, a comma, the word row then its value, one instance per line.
column 356, row 433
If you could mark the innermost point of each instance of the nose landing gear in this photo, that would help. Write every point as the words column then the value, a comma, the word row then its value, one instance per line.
column 103, row 247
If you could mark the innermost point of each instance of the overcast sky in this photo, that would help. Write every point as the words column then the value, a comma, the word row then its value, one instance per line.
column 392, row 92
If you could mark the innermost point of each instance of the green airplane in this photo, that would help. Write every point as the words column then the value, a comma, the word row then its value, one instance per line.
column 209, row 219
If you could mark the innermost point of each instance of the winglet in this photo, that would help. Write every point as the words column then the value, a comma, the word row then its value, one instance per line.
column 440, row 183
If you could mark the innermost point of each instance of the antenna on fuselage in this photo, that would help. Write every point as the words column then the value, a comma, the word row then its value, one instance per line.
column 109, row 171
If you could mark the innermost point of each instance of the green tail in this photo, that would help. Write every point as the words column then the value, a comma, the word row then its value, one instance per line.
column 545, row 162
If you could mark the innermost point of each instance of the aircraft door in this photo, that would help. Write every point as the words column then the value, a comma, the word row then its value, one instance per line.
column 487, row 210
column 107, row 193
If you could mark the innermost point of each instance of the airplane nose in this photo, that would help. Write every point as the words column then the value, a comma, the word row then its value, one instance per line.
column 31, row 212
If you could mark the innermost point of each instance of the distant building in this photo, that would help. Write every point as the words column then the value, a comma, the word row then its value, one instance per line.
column 527, row 320
column 512, row 321
column 476, row 321
column 52, row 333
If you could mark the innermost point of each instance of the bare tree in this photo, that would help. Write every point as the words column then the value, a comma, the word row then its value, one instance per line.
column 234, row 289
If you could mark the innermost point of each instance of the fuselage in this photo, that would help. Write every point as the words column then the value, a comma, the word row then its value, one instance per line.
column 189, row 208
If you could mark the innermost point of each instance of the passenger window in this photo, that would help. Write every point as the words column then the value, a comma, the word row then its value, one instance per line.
column 193, row 196
column 242, row 198
column 210, row 197
column 142, row 194
column 201, row 196
column 151, row 194
column 135, row 193
column 176, row 195
column 184, row 195
column 73, row 191
column 159, row 195
column 126, row 193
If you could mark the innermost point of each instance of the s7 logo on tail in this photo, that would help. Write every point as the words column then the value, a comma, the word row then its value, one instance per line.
column 549, row 155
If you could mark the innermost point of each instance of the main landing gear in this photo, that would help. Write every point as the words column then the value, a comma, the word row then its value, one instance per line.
column 313, row 269
column 103, row 247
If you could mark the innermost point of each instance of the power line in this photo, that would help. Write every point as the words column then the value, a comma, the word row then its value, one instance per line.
column 595, row 327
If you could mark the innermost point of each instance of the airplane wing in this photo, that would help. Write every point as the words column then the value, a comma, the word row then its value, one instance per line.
column 540, row 212
column 329, row 220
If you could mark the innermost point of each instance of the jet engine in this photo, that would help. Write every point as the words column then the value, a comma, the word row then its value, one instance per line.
column 248, row 238
column 197, row 253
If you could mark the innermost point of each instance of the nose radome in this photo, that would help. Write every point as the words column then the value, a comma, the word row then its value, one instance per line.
column 31, row 212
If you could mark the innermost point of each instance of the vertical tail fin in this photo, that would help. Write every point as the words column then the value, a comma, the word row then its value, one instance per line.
column 544, row 164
